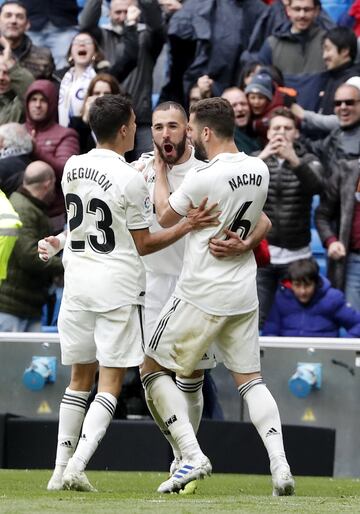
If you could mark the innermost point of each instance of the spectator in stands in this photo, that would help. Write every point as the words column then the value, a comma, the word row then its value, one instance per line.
column 194, row 95
column 101, row 84
column 244, row 140
column 263, row 96
column 295, row 176
column 53, row 143
column 275, row 20
column 317, row 124
column 84, row 57
column 248, row 70
column 24, row 291
column 338, row 215
column 339, row 54
column 298, row 49
column 124, row 17
column 343, row 140
column 14, row 81
column 15, row 155
column 307, row 306
column 13, row 24
column 208, row 41
column 53, row 25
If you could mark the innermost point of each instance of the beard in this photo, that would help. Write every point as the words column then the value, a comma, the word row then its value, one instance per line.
column 200, row 152
column 179, row 151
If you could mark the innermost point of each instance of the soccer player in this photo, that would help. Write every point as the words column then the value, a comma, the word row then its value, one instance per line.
column 109, row 214
column 215, row 299
column 173, row 151
column 171, row 147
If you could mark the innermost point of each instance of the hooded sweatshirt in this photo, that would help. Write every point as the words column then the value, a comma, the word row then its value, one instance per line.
column 53, row 143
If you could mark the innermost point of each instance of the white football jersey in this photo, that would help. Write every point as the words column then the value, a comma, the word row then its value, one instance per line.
column 239, row 184
column 105, row 198
column 169, row 260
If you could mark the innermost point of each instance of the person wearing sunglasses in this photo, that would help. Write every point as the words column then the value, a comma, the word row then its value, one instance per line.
column 337, row 217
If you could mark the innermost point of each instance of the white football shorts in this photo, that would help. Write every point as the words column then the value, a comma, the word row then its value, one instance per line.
column 184, row 334
column 159, row 289
column 113, row 338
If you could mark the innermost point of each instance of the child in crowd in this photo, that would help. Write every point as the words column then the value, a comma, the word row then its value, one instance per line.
column 307, row 306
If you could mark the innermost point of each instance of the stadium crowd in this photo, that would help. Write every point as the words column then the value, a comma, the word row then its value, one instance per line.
column 290, row 70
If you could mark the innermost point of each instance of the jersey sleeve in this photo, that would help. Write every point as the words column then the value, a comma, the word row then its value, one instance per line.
column 191, row 192
column 138, row 207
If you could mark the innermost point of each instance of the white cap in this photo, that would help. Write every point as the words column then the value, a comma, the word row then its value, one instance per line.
column 354, row 81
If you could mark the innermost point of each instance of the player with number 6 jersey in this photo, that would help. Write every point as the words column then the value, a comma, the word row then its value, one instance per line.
column 215, row 300
column 239, row 184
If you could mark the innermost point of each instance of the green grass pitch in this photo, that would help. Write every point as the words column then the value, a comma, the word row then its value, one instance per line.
column 23, row 491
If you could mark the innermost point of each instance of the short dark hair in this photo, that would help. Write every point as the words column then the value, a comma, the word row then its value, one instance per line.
column 9, row 2
column 107, row 114
column 342, row 38
column 285, row 112
column 304, row 270
column 317, row 3
column 166, row 106
column 217, row 114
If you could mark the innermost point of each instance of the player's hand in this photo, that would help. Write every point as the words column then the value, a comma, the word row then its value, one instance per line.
column 229, row 247
column 336, row 250
column 202, row 216
column 48, row 247
column 160, row 165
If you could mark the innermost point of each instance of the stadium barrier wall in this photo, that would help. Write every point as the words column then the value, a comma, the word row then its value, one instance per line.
column 233, row 447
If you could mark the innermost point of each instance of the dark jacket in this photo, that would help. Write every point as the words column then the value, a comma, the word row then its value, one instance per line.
column 12, row 171
column 37, row 59
column 334, row 79
column 54, row 144
column 12, row 106
column 207, row 38
column 323, row 316
column 289, row 199
column 24, row 291
column 333, row 216
column 62, row 13
column 340, row 144
column 294, row 53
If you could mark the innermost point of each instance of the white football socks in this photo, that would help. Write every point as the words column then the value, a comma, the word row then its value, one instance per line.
column 172, row 407
column 264, row 414
column 192, row 389
column 96, row 421
column 161, row 425
column 71, row 417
